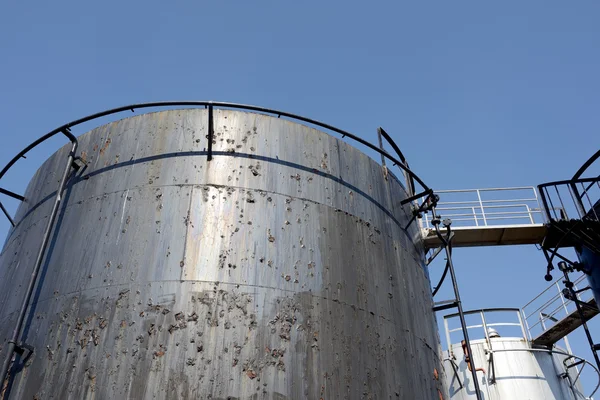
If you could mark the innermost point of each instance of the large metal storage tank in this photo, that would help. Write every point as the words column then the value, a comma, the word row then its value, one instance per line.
column 280, row 269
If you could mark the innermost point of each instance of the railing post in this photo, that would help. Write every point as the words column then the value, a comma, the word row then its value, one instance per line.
column 525, row 336
column 451, row 353
column 485, row 330
column 537, row 199
column 211, row 130
column 545, row 202
column 562, row 298
column 524, row 319
column 529, row 213
column 578, row 202
column 382, row 156
column 481, row 205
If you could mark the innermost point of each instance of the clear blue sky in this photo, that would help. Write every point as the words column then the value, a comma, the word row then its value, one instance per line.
column 477, row 94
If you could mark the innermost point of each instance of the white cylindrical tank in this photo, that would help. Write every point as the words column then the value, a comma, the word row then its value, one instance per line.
column 509, row 368
column 513, row 370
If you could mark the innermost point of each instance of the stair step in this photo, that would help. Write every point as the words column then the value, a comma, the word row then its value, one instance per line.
column 566, row 325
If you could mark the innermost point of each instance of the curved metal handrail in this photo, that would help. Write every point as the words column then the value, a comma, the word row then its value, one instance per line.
column 485, row 310
column 567, row 182
column 66, row 130
column 586, row 165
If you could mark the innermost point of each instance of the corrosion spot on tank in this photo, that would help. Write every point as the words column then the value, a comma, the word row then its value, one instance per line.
column 193, row 317
column 106, row 144
column 251, row 374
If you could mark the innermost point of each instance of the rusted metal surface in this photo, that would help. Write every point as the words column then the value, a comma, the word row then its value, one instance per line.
column 277, row 270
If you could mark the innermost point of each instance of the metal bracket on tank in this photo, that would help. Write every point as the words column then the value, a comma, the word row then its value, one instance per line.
column 455, row 370
column 24, row 348
column 428, row 204
column 79, row 164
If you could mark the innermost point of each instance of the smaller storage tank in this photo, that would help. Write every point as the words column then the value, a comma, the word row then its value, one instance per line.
column 507, row 367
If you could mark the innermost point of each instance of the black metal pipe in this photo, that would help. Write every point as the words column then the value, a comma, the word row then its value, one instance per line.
column 12, row 222
column 12, row 194
column 439, row 285
column 12, row 343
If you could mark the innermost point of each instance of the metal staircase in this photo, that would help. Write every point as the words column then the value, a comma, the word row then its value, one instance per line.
column 572, row 209
column 550, row 316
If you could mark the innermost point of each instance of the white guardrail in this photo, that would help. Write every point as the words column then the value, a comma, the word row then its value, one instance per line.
column 549, row 307
column 489, row 207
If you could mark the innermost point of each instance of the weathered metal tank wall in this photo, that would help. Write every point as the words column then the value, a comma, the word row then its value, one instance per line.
column 280, row 269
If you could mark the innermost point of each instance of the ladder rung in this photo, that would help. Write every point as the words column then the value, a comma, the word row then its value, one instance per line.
column 444, row 305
